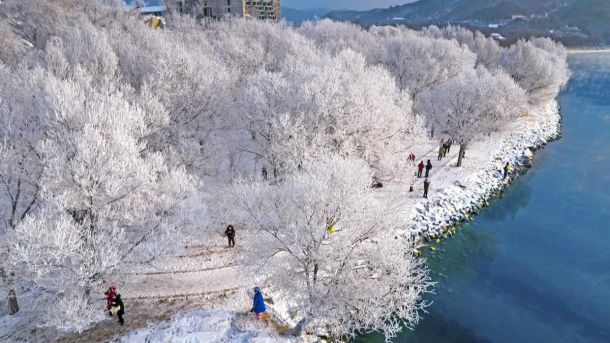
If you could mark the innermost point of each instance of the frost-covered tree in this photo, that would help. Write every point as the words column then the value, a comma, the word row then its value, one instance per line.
column 37, row 21
column 21, row 128
column 104, row 201
column 197, row 91
column 487, row 49
column 12, row 48
column 421, row 63
column 473, row 103
column 416, row 61
column 248, row 46
column 539, row 66
column 275, row 133
column 332, row 104
column 334, row 37
column 87, row 49
column 139, row 50
column 337, row 258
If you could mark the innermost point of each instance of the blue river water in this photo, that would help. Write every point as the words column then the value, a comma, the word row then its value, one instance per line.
column 535, row 265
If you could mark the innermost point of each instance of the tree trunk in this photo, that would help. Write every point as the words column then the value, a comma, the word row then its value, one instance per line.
column 8, row 278
column 298, row 329
column 13, row 305
column 461, row 154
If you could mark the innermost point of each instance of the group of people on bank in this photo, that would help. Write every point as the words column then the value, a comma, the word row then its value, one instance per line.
column 443, row 150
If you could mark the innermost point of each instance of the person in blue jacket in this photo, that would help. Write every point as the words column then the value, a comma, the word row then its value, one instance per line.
column 258, row 306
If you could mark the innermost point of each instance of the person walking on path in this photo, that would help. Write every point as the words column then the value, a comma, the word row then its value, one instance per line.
column 448, row 145
column 258, row 304
column 420, row 168
column 230, row 232
column 506, row 169
column 118, row 308
column 109, row 296
column 264, row 173
column 426, row 187
column 441, row 152
column 428, row 167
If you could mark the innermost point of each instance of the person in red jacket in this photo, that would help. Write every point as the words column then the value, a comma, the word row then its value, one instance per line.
column 109, row 296
column 420, row 168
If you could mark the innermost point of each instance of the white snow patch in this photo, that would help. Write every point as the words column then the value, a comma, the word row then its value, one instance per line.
column 201, row 327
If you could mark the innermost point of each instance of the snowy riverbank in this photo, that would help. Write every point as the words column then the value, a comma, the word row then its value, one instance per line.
column 457, row 201
column 457, row 194
column 205, row 277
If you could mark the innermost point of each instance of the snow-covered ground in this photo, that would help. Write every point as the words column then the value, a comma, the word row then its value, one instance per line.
column 171, row 293
column 203, row 327
column 455, row 194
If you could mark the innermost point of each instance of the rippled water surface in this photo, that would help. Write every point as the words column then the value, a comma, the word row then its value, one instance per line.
column 535, row 266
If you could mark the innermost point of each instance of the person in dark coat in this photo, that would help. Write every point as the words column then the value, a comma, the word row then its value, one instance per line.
column 426, row 187
column 109, row 296
column 258, row 304
column 230, row 232
column 420, row 168
column 118, row 307
column 376, row 183
column 264, row 173
column 448, row 143
column 428, row 167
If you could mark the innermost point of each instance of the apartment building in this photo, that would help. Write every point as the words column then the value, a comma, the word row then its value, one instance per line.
column 263, row 9
column 257, row 9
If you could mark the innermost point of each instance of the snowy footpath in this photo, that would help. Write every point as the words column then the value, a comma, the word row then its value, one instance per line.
column 201, row 296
